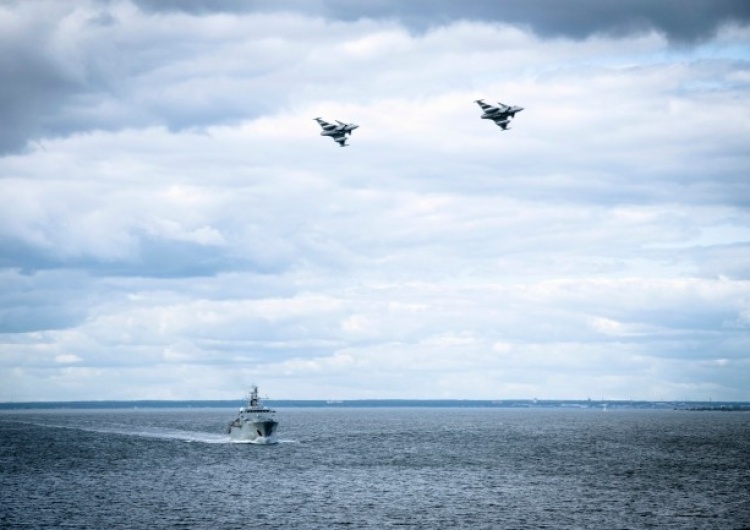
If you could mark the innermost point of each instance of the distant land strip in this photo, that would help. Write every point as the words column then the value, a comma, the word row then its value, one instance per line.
column 367, row 403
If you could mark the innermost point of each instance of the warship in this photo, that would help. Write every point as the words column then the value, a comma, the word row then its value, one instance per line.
column 254, row 422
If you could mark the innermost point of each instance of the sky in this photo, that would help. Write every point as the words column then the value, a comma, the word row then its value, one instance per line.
column 173, row 226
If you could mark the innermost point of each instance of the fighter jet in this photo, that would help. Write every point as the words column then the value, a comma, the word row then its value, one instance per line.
column 501, row 115
column 337, row 132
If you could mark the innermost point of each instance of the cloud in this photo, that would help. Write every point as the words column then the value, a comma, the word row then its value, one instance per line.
column 180, row 219
column 101, row 68
column 46, row 301
column 112, row 65
column 544, row 17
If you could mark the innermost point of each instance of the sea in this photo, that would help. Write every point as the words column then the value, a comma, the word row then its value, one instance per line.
column 377, row 467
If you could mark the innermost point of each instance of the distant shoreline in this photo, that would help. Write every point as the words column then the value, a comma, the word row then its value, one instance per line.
column 367, row 403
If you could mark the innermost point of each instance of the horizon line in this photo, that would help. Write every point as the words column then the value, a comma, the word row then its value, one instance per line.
column 352, row 401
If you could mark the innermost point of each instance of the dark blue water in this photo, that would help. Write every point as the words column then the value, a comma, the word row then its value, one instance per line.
column 377, row 468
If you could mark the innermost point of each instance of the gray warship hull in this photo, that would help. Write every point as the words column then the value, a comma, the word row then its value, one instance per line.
column 253, row 431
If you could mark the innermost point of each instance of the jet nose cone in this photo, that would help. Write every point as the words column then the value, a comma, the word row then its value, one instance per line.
column 355, row 126
column 519, row 109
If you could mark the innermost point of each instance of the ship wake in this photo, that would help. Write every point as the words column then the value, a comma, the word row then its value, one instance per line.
column 144, row 432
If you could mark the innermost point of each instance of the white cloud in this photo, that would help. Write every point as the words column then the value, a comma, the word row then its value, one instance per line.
column 68, row 359
column 198, row 222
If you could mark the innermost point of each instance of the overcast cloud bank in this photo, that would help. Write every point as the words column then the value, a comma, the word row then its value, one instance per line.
column 173, row 226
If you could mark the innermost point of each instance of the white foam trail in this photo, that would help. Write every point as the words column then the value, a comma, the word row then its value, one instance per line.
column 252, row 442
column 160, row 433
column 154, row 432
column 173, row 434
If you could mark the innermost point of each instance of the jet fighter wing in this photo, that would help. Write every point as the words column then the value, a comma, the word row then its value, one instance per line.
column 341, row 140
column 324, row 124
column 503, row 123
column 484, row 105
